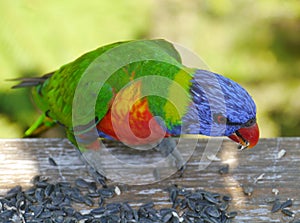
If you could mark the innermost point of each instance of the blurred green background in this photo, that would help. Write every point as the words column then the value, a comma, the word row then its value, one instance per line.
column 256, row 43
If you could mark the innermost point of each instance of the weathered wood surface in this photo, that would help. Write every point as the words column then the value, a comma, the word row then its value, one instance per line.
column 21, row 159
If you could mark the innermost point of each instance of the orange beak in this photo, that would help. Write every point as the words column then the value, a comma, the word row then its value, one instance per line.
column 247, row 137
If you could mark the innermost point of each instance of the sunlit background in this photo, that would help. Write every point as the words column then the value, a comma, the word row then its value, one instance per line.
column 255, row 43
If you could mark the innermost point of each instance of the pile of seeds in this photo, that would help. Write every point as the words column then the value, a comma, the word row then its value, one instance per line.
column 283, row 206
column 199, row 206
column 53, row 203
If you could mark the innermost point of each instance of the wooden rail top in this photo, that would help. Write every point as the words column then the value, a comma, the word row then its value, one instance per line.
column 265, row 168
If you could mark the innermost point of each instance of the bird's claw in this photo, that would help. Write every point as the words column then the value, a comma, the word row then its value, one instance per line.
column 168, row 148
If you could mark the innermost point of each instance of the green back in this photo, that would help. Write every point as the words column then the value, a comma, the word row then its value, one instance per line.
column 110, row 68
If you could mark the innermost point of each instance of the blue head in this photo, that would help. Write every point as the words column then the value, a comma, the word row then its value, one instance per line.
column 221, row 108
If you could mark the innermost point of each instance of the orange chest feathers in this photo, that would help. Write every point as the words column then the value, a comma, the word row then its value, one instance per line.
column 129, row 118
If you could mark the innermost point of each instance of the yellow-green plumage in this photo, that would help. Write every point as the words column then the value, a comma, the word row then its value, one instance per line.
column 55, row 95
column 81, row 96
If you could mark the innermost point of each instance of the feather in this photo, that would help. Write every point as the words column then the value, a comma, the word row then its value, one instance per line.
column 31, row 81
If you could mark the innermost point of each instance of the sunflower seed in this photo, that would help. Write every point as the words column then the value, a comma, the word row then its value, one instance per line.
column 260, row 177
column 52, row 202
column 248, row 190
column 227, row 198
column 167, row 217
column 224, row 169
column 212, row 157
column 52, row 161
column 212, row 211
column 231, row 214
column 106, row 192
column 223, row 206
column 211, row 199
column 275, row 191
column 270, row 199
column 287, row 203
column 276, row 206
column 88, row 201
column 281, row 154
column 49, row 189
column 288, row 212
column 39, row 195
column 13, row 192
column 79, row 182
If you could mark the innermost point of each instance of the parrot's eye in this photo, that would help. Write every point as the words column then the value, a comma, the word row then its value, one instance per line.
column 219, row 118
column 250, row 122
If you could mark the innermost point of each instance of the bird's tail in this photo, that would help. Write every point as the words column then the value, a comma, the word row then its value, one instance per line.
column 43, row 122
column 31, row 81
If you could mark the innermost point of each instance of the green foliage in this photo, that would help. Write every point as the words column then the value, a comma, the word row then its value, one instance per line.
column 256, row 43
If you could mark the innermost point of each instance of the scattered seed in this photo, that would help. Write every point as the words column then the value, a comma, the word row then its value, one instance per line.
column 248, row 190
column 52, row 202
column 260, row 177
column 39, row 195
column 288, row 212
column 212, row 157
column 173, row 195
column 281, row 154
column 213, row 211
column 98, row 211
column 106, row 192
column 231, row 214
column 180, row 219
column 276, row 206
column 224, row 169
column 92, row 186
column 88, row 201
column 39, row 178
column 13, row 192
column 93, row 195
column 223, row 206
column 100, row 202
column 79, row 182
column 227, row 198
column 57, row 198
column 52, row 161
column 287, row 203
column 167, row 217
column 275, row 191
column 270, row 199
column 211, row 199
column 49, row 189
column 117, row 190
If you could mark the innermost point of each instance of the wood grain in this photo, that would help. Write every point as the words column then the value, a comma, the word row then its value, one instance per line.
column 21, row 159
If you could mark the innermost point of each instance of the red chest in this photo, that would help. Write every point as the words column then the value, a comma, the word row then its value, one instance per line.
column 129, row 119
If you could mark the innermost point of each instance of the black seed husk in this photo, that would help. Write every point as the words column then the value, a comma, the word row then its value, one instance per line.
column 276, row 206
column 248, row 190
column 52, row 161
column 231, row 214
column 224, row 169
column 270, row 199
column 53, row 202
column 79, row 182
column 287, row 203
column 288, row 212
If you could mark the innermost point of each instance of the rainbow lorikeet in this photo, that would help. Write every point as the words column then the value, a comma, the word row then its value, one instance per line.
column 139, row 92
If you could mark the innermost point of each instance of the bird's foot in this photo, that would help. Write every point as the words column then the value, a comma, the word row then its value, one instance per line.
column 167, row 147
column 99, row 178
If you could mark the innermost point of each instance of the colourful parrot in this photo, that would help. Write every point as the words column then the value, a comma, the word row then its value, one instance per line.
column 138, row 92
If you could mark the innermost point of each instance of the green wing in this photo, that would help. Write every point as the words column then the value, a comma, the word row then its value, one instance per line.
column 109, row 68
column 56, row 95
column 83, row 89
